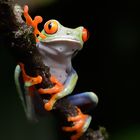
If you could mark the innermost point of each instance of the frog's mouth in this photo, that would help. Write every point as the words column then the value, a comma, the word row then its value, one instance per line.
column 63, row 40
column 62, row 47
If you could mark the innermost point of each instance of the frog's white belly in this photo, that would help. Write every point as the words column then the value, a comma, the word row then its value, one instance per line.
column 58, row 62
column 58, row 68
column 60, row 74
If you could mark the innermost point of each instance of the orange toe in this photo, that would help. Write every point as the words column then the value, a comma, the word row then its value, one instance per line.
column 48, row 106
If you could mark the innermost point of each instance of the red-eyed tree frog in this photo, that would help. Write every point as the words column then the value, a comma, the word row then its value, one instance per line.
column 58, row 45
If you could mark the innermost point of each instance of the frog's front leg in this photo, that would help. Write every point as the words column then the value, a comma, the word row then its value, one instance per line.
column 67, row 89
column 55, row 89
column 28, row 80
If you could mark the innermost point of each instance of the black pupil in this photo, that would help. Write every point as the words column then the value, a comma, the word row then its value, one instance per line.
column 50, row 25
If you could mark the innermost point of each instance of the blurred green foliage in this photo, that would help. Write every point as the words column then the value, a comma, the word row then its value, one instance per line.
column 131, row 132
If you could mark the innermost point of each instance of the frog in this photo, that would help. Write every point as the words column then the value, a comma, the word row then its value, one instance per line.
column 58, row 45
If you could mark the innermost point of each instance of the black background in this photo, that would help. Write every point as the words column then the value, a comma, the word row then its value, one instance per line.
column 108, row 65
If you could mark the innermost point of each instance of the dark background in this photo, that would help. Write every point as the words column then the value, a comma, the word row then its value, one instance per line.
column 108, row 65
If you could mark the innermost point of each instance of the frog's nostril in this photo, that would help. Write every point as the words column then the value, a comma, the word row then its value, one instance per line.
column 85, row 34
column 68, row 33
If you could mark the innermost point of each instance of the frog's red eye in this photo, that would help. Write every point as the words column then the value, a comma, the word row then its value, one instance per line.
column 51, row 27
column 85, row 35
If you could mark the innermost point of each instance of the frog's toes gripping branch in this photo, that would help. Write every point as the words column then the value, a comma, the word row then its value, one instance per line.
column 54, row 91
column 80, row 124
column 29, row 81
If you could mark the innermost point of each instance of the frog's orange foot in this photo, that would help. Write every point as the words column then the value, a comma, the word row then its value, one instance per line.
column 29, row 81
column 34, row 23
column 55, row 89
column 81, row 123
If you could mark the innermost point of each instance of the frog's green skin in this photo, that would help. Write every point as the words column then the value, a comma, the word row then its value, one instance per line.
column 57, row 50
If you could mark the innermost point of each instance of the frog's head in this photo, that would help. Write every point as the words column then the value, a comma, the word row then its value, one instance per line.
column 62, row 38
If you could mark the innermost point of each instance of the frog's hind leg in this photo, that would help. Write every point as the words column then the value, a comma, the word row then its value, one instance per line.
column 85, row 100
column 24, row 95
column 82, row 121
